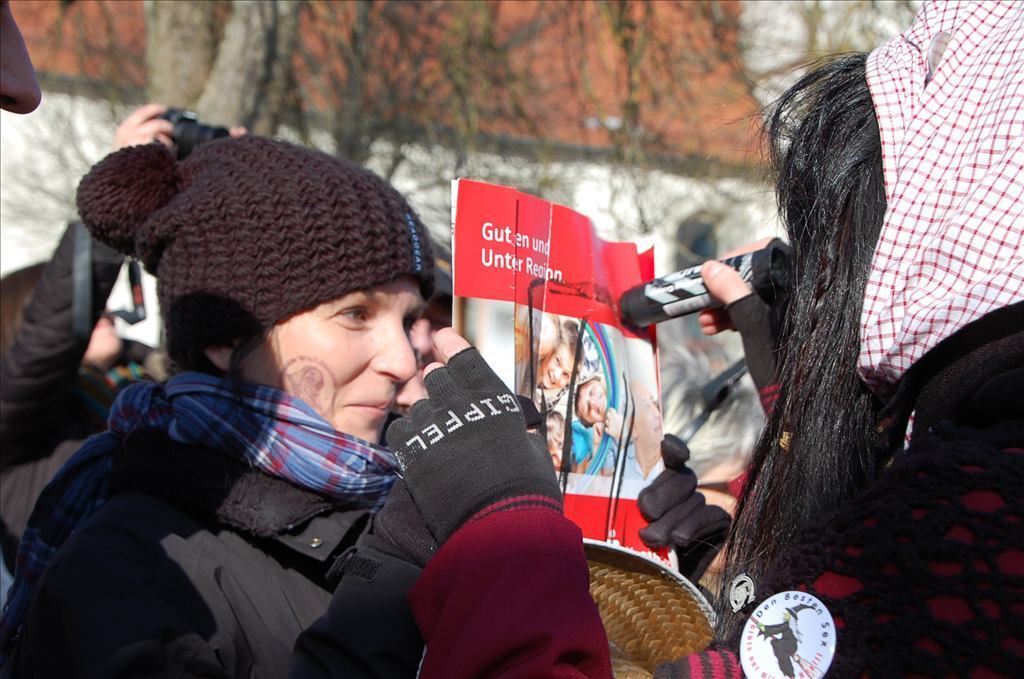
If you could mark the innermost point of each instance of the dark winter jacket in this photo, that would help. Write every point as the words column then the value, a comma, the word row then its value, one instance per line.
column 40, row 369
column 41, row 420
column 199, row 566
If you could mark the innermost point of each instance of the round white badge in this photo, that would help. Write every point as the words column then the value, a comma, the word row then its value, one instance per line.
column 789, row 634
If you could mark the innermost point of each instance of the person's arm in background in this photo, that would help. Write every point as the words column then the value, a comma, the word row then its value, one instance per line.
column 39, row 371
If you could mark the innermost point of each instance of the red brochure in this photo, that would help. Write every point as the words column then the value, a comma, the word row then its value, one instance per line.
column 536, row 290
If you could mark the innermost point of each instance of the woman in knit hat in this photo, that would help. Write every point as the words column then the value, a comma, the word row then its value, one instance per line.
column 202, row 533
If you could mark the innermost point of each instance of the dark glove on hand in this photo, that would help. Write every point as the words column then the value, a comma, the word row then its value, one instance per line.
column 398, row 529
column 677, row 514
column 462, row 449
column 753, row 318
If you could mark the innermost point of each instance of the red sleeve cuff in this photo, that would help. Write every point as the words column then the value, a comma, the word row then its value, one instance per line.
column 511, row 589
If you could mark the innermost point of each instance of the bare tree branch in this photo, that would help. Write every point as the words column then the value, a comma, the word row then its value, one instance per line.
column 180, row 50
column 248, row 80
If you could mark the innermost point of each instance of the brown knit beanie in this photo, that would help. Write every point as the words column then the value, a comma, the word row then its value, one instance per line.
column 247, row 232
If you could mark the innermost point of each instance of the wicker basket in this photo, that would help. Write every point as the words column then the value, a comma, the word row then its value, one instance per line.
column 651, row 613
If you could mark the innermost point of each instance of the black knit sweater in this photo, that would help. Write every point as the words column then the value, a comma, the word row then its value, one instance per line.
column 923, row 572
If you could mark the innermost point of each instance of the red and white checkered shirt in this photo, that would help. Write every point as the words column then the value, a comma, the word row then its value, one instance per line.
column 951, row 248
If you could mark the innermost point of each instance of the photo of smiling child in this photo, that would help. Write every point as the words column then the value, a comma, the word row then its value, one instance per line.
column 553, row 355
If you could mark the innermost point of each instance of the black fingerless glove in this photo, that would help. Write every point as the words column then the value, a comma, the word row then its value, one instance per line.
column 398, row 529
column 462, row 449
column 760, row 315
column 753, row 318
column 677, row 513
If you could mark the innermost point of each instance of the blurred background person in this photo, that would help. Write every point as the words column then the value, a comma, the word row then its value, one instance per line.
column 56, row 388
column 19, row 89
column 721, row 448
column 19, row 93
column 57, row 382
column 436, row 315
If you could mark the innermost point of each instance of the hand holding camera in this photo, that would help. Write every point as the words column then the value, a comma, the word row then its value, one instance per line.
column 757, row 316
column 175, row 128
column 761, row 268
column 144, row 125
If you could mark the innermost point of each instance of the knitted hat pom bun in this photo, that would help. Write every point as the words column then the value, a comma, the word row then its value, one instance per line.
column 122, row 191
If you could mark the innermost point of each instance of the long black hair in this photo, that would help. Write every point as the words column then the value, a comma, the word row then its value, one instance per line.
column 824, row 147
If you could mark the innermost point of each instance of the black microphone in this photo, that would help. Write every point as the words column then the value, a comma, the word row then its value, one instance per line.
column 683, row 292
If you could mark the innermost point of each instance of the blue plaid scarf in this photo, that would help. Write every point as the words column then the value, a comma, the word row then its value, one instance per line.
column 264, row 427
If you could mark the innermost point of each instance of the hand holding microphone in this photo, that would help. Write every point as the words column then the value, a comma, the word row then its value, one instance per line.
column 746, row 291
column 763, row 269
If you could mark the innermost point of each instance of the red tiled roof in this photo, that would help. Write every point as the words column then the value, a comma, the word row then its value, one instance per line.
column 103, row 41
column 692, row 97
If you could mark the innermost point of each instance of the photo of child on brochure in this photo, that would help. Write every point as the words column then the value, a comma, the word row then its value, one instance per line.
column 597, row 424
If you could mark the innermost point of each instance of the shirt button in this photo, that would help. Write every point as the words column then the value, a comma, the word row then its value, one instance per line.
column 315, row 542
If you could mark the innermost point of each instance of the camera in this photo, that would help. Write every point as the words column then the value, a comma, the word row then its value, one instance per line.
column 189, row 132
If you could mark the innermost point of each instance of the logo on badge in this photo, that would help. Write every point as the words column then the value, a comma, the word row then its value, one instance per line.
column 789, row 634
column 741, row 592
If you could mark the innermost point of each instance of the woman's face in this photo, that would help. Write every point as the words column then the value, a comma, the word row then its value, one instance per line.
column 346, row 358
column 556, row 369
